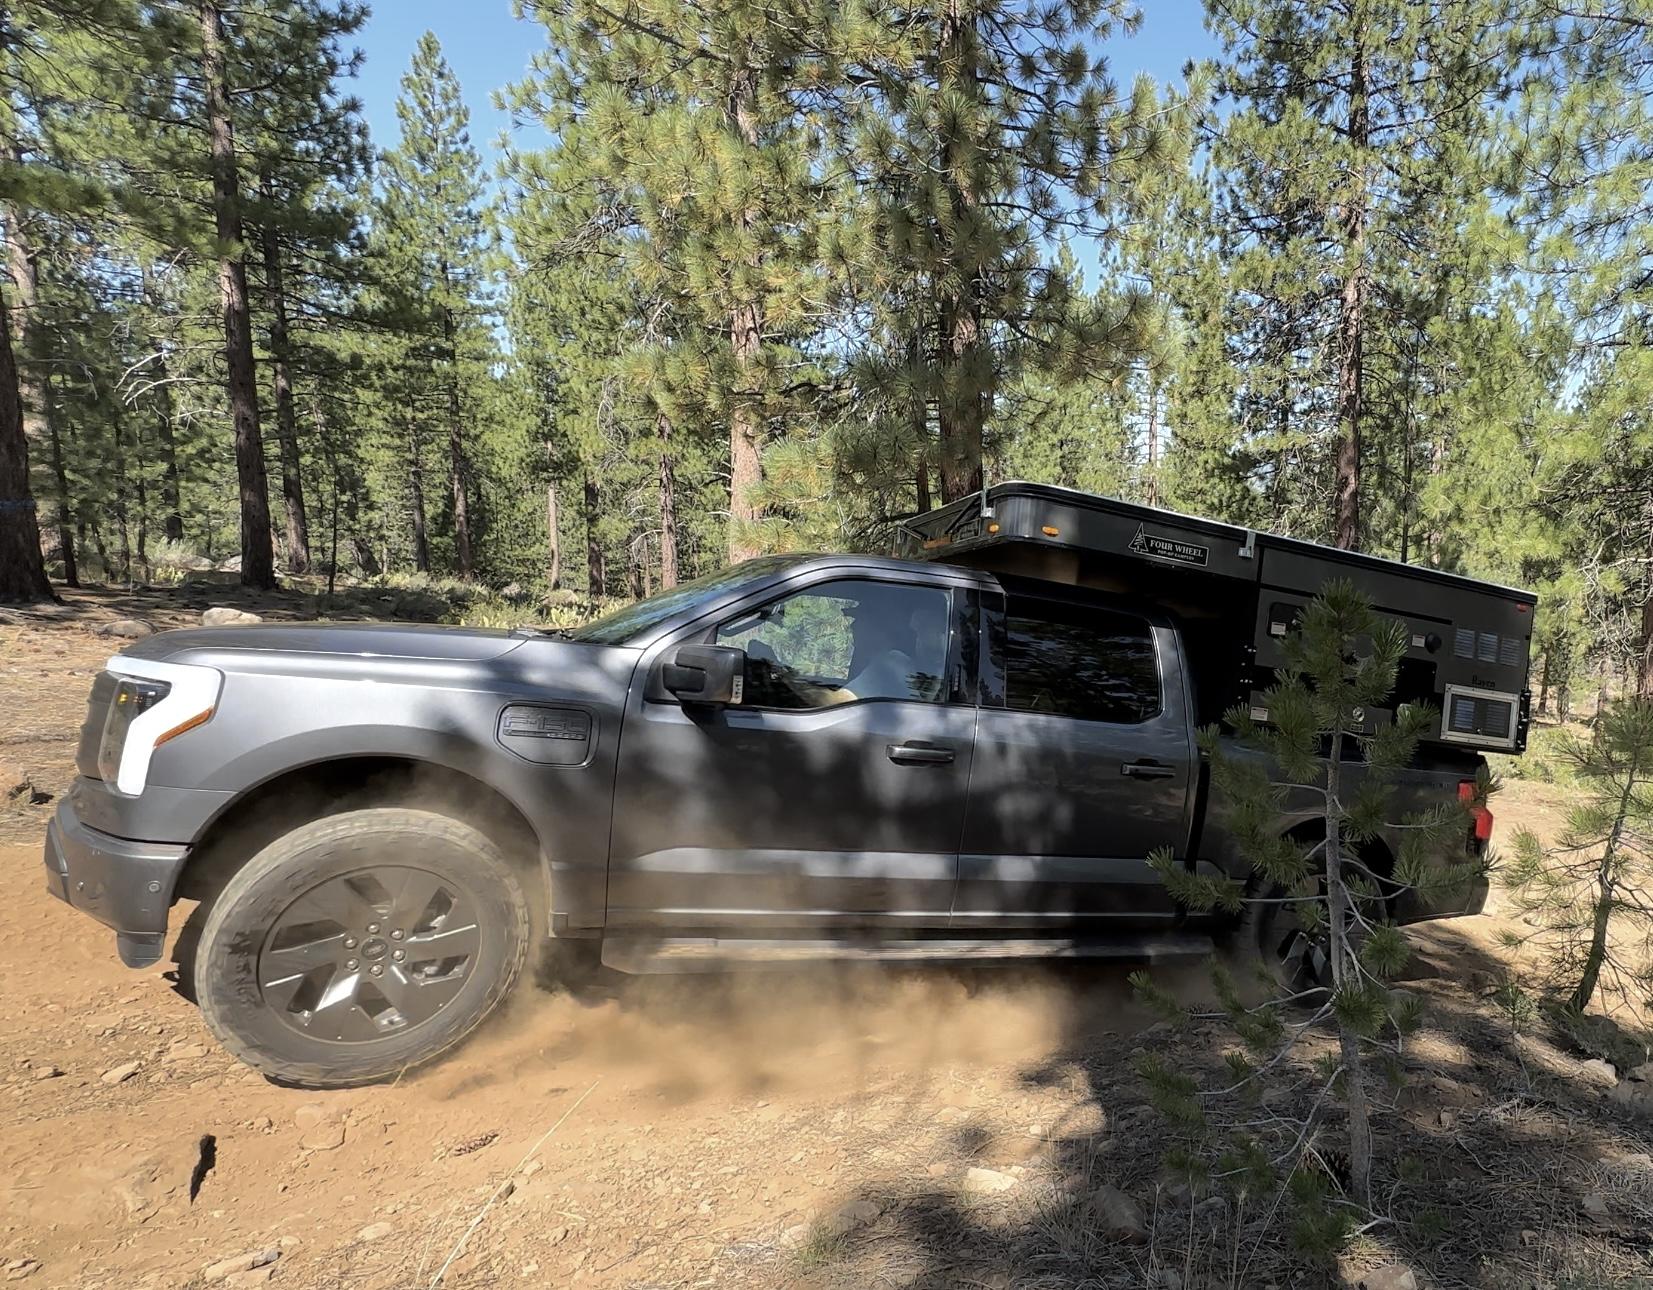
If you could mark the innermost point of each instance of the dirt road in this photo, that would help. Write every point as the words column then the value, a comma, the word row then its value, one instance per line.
column 812, row 1129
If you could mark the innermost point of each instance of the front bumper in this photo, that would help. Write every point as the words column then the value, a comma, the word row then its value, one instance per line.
column 123, row 884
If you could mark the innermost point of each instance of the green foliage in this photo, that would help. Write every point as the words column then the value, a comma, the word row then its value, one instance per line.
column 1306, row 740
column 1586, row 895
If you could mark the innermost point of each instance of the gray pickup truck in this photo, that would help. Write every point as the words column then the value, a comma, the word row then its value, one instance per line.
column 797, row 757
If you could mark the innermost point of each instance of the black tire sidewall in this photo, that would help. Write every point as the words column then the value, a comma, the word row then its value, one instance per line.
column 226, row 958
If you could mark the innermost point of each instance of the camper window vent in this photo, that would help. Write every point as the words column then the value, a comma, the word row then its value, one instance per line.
column 1483, row 717
column 1510, row 652
column 1463, row 643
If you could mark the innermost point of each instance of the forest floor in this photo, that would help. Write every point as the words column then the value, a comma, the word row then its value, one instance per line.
column 814, row 1130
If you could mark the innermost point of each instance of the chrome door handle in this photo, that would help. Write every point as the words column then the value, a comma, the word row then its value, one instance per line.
column 1147, row 770
column 918, row 754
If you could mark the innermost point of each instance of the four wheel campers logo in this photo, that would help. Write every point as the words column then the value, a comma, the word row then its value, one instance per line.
column 1156, row 547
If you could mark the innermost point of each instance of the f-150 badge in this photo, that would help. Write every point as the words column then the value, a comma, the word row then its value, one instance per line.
column 1156, row 547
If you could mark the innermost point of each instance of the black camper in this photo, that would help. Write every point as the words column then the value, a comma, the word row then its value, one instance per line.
column 1236, row 592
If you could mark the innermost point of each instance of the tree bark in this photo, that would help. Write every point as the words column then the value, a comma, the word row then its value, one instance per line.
column 596, row 561
column 966, row 371
column 746, row 323
column 1607, row 874
column 458, row 466
column 22, row 569
column 1352, row 319
column 257, row 550
column 292, row 478
column 65, row 505
column 668, row 504
column 1151, row 482
column 1343, row 958
column 172, row 521
column 1644, row 635
column 416, row 496
column 553, row 541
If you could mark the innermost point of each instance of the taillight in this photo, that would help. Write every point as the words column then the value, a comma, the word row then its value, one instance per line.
column 1480, row 816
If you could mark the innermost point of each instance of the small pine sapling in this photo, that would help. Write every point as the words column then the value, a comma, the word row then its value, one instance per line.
column 1317, row 753
column 1589, row 897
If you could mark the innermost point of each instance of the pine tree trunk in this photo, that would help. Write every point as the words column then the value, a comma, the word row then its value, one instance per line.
column 65, row 505
column 1606, row 898
column 416, row 497
column 1151, row 489
column 668, row 505
column 596, row 562
column 553, row 542
column 1644, row 636
column 257, row 550
column 746, row 323
column 1343, row 954
column 172, row 521
column 292, row 479
column 919, row 419
column 458, row 466
column 22, row 569
column 1544, row 684
column 1352, row 320
column 966, row 368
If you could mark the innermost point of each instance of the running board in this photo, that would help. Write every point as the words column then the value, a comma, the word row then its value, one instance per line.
column 642, row 955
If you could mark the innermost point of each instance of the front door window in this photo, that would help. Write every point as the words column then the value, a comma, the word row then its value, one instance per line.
column 846, row 641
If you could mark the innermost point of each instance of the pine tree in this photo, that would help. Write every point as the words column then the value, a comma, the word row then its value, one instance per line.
column 692, row 115
column 1356, row 162
column 432, row 240
column 979, row 136
column 1587, row 895
column 1340, row 658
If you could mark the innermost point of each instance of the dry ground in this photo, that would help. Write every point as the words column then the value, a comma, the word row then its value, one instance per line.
column 820, row 1129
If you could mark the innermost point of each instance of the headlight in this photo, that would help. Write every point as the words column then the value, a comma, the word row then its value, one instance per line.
column 153, row 702
column 132, row 699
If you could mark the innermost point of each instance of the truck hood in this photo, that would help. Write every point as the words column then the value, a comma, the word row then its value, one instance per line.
column 358, row 640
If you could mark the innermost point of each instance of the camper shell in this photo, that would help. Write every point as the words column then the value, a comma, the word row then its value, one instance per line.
column 1236, row 592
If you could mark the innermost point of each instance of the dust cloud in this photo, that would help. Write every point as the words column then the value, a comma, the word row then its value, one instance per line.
column 823, row 1030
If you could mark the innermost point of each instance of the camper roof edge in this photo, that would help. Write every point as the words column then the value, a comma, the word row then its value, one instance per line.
column 946, row 531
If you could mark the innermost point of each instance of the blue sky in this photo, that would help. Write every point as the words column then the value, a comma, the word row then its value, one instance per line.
column 488, row 48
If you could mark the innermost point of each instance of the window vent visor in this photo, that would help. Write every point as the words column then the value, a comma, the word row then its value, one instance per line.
column 1484, row 718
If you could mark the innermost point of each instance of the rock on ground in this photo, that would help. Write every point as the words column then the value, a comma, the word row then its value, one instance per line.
column 1392, row 1276
column 1120, row 1216
column 986, row 1181
column 223, row 616
column 120, row 1074
column 240, row 1263
column 1635, row 1091
column 130, row 629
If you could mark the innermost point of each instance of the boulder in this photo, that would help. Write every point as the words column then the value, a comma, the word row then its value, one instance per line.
column 223, row 616
column 126, row 629
column 1635, row 1091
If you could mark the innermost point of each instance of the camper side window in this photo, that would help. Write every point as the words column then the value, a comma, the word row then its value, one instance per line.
column 1075, row 661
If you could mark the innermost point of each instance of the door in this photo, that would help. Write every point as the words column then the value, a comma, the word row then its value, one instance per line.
column 833, row 794
column 1084, row 764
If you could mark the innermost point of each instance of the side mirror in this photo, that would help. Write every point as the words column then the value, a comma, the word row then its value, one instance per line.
column 711, row 674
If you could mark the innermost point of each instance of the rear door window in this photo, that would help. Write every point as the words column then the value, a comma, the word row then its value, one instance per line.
column 1077, row 661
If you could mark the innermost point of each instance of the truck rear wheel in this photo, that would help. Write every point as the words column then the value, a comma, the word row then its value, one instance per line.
column 360, row 945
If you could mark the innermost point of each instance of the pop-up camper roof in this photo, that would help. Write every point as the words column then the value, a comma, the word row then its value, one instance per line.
column 1237, row 591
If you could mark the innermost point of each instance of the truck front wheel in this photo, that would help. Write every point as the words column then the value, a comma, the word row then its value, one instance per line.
column 360, row 945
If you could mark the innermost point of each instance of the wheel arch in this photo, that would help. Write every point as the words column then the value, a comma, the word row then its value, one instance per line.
column 313, row 791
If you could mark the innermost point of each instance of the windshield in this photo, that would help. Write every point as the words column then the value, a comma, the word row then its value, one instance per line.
column 623, row 625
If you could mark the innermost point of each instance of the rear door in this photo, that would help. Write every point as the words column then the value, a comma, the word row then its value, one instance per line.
column 834, row 794
column 1085, row 763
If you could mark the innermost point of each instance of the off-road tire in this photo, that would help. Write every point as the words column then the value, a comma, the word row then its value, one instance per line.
column 226, row 958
